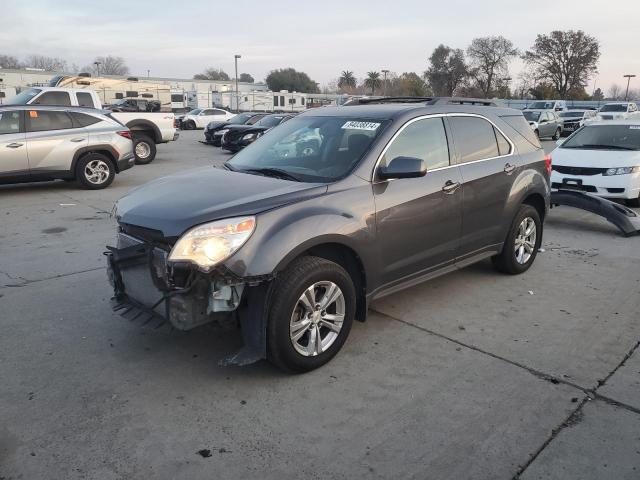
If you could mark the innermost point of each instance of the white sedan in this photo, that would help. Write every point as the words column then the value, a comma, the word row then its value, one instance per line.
column 200, row 117
column 602, row 158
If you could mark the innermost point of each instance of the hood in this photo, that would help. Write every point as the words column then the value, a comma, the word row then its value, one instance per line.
column 216, row 125
column 176, row 203
column 570, row 157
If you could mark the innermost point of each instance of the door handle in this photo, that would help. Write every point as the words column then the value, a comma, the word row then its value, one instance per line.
column 508, row 168
column 15, row 145
column 450, row 187
column 76, row 140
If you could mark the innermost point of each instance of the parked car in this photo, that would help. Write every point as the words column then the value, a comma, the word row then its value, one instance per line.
column 134, row 105
column 602, row 158
column 147, row 129
column 545, row 123
column 40, row 143
column 555, row 105
column 236, row 137
column 297, row 247
column 572, row 120
column 246, row 118
column 200, row 117
column 618, row 110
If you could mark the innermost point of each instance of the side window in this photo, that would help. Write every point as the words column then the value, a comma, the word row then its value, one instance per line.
column 53, row 98
column 42, row 121
column 282, row 100
column 504, row 148
column 85, row 99
column 474, row 137
column 83, row 120
column 425, row 139
column 218, row 112
column 9, row 122
column 275, row 101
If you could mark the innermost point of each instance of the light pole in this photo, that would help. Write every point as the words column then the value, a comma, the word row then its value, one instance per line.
column 97, row 64
column 506, row 86
column 236, row 57
column 148, row 71
column 628, row 77
column 384, row 85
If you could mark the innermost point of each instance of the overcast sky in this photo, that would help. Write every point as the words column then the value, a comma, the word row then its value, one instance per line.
column 179, row 39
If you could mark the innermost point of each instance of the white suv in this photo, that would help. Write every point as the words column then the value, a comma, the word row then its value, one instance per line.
column 40, row 143
column 618, row 111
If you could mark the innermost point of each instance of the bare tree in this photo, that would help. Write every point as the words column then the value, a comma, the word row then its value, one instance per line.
column 212, row 74
column 447, row 70
column 567, row 59
column 50, row 64
column 109, row 65
column 616, row 92
column 8, row 61
column 489, row 62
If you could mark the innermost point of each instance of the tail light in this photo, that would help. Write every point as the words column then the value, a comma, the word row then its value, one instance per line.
column 547, row 163
column 125, row 134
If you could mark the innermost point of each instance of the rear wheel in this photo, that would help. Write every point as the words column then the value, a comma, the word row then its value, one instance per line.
column 522, row 243
column 312, row 309
column 556, row 135
column 95, row 171
column 189, row 125
column 144, row 149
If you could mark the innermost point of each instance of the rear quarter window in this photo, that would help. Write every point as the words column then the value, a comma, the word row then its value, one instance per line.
column 522, row 127
column 83, row 120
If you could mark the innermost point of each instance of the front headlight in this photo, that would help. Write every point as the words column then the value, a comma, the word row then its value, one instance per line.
column 252, row 136
column 209, row 244
column 621, row 171
column 223, row 131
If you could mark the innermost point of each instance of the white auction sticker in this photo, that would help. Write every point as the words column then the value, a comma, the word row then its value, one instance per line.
column 354, row 125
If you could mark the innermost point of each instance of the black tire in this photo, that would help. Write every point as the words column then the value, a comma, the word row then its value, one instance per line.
column 506, row 261
column 144, row 149
column 189, row 125
column 289, row 287
column 633, row 202
column 558, row 133
column 99, row 161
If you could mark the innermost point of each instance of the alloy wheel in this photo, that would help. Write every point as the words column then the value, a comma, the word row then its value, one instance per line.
column 96, row 172
column 525, row 241
column 142, row 150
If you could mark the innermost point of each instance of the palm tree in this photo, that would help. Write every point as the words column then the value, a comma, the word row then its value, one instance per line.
column 347, row 80
column 372, row 81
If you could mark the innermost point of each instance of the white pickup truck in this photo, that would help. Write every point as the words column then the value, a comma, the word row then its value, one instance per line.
column 147, row 129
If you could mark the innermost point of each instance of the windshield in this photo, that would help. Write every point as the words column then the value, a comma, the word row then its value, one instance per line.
column 195, row 111
column 310, row 149
column 24, row 97
column 240, row 119
column 574, row 114
column 612, row 107
column 541, row 105
column 605, row 137
column 269, row 121
column 531, row 116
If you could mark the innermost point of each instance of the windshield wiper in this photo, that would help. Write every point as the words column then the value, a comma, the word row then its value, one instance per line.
column 272, row 172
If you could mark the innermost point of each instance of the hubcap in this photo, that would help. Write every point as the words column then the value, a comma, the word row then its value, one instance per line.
column 525, row 240
column 96, row 172
column 317, row 318
column 142, row 150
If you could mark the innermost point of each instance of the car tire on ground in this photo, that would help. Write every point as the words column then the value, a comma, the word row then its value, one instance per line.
column 522, row 243
column 189, row 125
column 313, row 298
column 95, row 171
column 144, row 149
column 633, row 202
column 558, row 133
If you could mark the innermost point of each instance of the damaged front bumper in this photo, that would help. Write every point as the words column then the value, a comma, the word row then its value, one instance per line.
column 184, row 297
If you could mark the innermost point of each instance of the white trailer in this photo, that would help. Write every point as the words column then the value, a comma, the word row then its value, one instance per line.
column 259, row 101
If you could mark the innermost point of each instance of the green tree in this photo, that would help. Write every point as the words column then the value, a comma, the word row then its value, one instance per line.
column 212, row 74
column 291, row 80
column 373, row 81
column 544, row 91
column 489, row 62
column 447, row 70
column 347, row 80
column 598, row 94
column 245, row 77
column 409, row 84
column 566, row 59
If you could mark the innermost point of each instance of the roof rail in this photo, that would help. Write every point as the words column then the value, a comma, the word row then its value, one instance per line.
column 425, row 100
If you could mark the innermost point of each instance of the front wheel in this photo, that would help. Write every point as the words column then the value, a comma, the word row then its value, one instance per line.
column 556, row 135
column 312, row 309
column 189, row 125
column 144, row 149
column 522, row 243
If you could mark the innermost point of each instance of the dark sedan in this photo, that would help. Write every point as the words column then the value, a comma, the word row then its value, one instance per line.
column 246, row 118
column 237, row 137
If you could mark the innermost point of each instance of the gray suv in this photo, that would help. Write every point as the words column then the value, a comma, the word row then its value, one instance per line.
column 301, row 230
column 39, row 143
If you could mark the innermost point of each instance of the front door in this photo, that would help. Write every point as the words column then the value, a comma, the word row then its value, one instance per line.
column 13, row 145
column 418, row 220
column 52, row 141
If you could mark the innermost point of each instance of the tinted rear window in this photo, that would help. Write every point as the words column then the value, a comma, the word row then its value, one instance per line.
column 474, row 138
column 85, row 99
column 84, row 120
column 520, row 125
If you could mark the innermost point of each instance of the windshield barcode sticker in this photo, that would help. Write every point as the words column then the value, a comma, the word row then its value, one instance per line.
column 353, row 125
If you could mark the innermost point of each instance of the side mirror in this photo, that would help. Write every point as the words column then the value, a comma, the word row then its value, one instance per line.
column 403, row 167
column 560, row 141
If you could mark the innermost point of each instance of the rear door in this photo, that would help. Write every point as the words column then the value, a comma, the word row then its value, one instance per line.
column 418, row 220
column 52, row 140
column 13, row 145
column 488, row 169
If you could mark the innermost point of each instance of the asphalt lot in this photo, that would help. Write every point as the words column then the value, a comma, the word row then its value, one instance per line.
column 473, row 375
